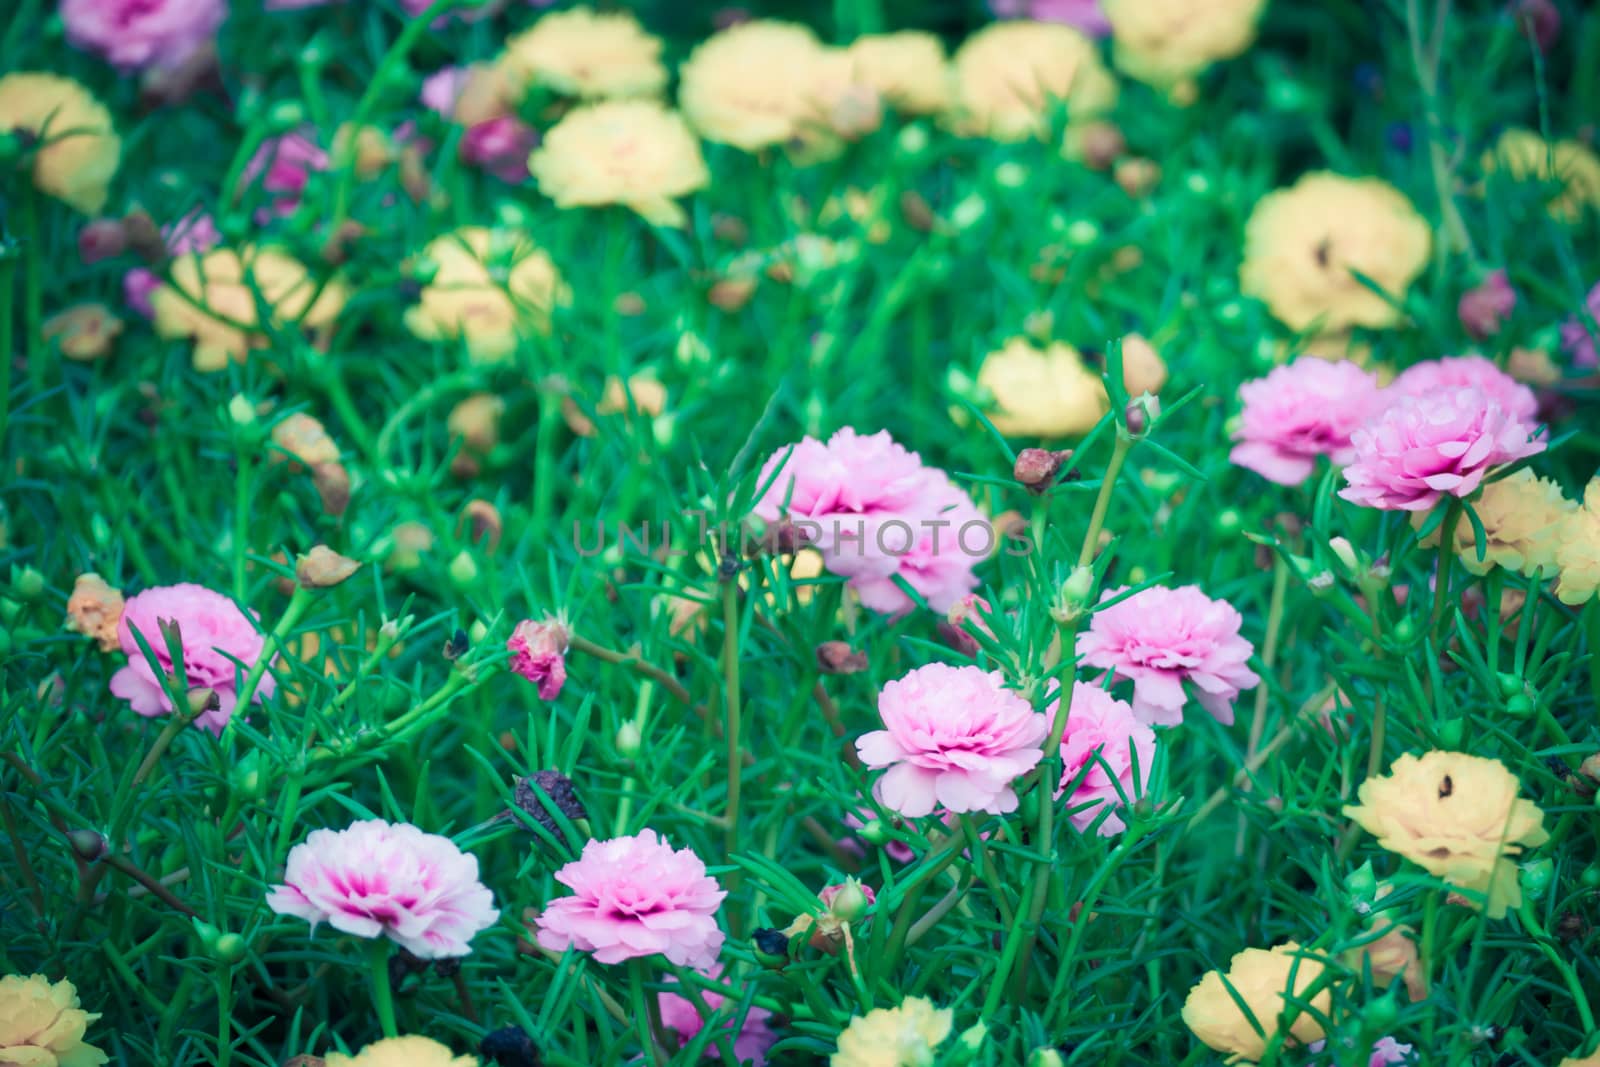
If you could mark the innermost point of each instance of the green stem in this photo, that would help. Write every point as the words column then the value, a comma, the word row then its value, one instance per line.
column 731, row 708
column 544, row 461
column 1591, row 625
column 225, row 1016
column 1447, row 556
column 1541, row 941
column 8, row 277
column 642, row 1011
column 242, row 508
column 986, row 865
column 33, row 290
column 1102, row 501
column 382, row 994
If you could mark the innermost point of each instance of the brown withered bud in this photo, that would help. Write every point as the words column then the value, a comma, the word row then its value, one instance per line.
column 1290, row 523
column 1103, row 144
column 558, row 787
column 629, row 305
column 303, row 438
column 1590, row 769
column 414, row 177
column 1540, row 20
column 323, row 568
column 1571, row 926
column 482, row 524
column 456, row 646
column 917, row 212
column 1036, row 468
column 337, row 248
column 1137, row 175
column 525, row 944
column 333, row 486
column 304, row 1061
column 144, row 236
column 837, row 657
column 730, row 229
column 957, row 638
column 731, row 294
column 101, row 239
column 448, row 967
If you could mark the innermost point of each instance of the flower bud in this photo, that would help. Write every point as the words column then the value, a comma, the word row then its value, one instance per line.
column 1072, row 600
column 629, row 740
column 1539, row 20
column 1379, row 1016
column 1520, row 706
column 1011, row 175
column 241, row 412
column 1450, row 733
column 229, row 949
column 207, row 933
column 1362, row 884
column 323, row 568
column 245, row 779
column 1102, row 144
column 481, row 521
column 1344, row 553
column 837, row 657
column 203, row 700
column 509, row 1046
column 1036, row 469
column 88, row 845
column 1046, row 1057
column 969, row 211
column 463, row 570
column 1137, row 176
column 27, row 583
column 912, row 141
column 1142, row 413
column 1536, row 878
column 101, row 239
column 849, row 901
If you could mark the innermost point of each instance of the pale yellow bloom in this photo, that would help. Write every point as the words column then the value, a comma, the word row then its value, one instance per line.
column 371, row 149
column 1011, row 77
column 1578, row 550
column 1591, row 1060
column 1261, row 978
column 76, row 149
column 1302, row 244
column 894, row 1037
column 212, row 298
column 765, row 83
column 908, row 69
column 42, row 1024
column 84, row 332
column 1044, row 392
column 1571, row 165
column 593, row 56
column 402, row 1052
column 1521, row 515
column 491, row 286
column 94, row 610
column 630, row 152
column 1456, row 816
column 1165, row 42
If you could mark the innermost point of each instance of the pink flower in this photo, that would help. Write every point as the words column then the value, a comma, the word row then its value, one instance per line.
column 134, row 34
column 750, row 1044
column 539, row 654
column 442, row 88
column 1385, row 1052
column 1467, row 372
column 1084, row 14
column 501, row 147
column 954, row 736
column 830, row 893
column 1160, row 638
column 214, row 633
column 876, row 512
column 101, row 239
column 1425, row 446
column 1104, row 736
column 634, row 897
column 284, row 166
column 375, row 878
column 858, row 819
column 194, row 233
column 1300, row 411
column 1575, row 335
column 1484, row 308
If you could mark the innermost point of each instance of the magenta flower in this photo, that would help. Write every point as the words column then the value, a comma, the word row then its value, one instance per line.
column 500, row 146
column 1160, row 638
column 1467, row 372
column 1386, row 1051
column 1104, row 736
column 1575, row 335
column 377, row 879
column 283, row 166
column 135, row 34
column 1300, row 411
column 876, row 512
column 953, row 736
column 750, row 1044
column 1426, row 446
column 539, row 654
column 1484, row 308
column 634, row 897
column 1084, row 14
column 220, row 645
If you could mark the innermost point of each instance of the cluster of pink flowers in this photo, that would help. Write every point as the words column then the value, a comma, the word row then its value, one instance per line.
column 1437, row 429
column 750, row 1043
column 500, row 144
column 377, row 879
column 1576, row 337
column 220, row 644
column 1386, row 1051
column 539, row 654
column 1160, row 639
column 878, row 513
column 953, row 737
column 1100, row 747
column 283, row 166
column 634, row 897
column 138, row 34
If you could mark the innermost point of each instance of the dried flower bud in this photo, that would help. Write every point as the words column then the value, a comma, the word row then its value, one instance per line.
column 1036, row 468
column 94, row 609
column 456, row 646
column 476, row 420
column 1533, row 366
column 1540, row 20
column 333, row 487
column 323, row 568
column 304, row 439
column 914, row 208
column 403, row 964
column 144, row 236
column 837, row 657
column 731, row 294
column 1137, row 175
column 101, row 239
column 1101, row 144
column 1484, row 308
column 410, row 542
column 558, row 787
column 481, row 521
column 1143, row 369
column 509, row 1046
column 337, row 248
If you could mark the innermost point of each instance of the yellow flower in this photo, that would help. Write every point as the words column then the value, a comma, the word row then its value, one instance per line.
column 1578, row 549
column 1390, row 956
column 1165, row 42
column 491, row 286
column 1591, row 1060
column 1303, row 242
column 579, row 53
column 1010, row 77
column 894, row 1037
column 765, row 83
column 908, row 69
column 1525, row 156
column 1456, row 816
column 1520, row 514
column 370, row 148
column 77, row 148
column 402, row 1052
column 85, row 332
column 95, row 609
column 42, row 1024
column 630, row 152
column 1041, row 392
column 1261, row 979
column 212, row 299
